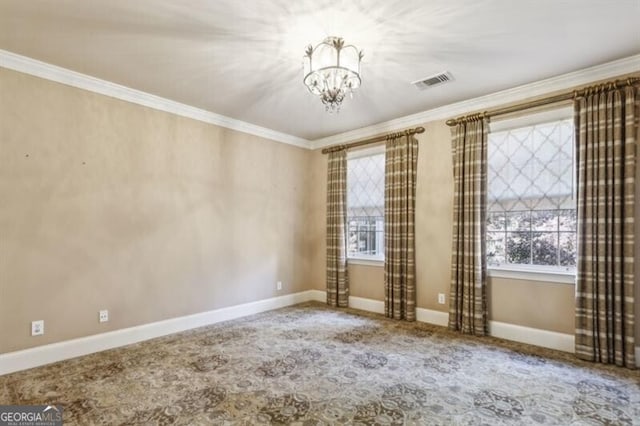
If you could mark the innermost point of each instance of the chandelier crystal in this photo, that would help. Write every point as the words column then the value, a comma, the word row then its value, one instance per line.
column 332, row 70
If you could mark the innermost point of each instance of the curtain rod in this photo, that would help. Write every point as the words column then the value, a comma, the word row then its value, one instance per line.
column 372, row 140
column 546, row 101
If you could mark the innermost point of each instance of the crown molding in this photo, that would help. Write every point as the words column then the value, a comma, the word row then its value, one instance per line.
column 562, row 82
column 65, row 76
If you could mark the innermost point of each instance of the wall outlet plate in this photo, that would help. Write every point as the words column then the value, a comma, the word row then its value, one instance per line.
column 441, row 298
column 37, row 328
column 279, row 285
column 104, row 315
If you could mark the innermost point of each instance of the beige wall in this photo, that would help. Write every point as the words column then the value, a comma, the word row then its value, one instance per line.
column 364, row 280
column 547, row 306
column 110, row 205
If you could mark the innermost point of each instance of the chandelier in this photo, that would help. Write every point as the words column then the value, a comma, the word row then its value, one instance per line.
column 331, row 71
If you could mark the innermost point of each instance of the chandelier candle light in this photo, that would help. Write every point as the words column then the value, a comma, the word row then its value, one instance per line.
column 331, row 70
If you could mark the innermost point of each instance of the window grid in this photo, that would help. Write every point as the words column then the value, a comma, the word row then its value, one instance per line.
column 366, row 235
column 564, row 247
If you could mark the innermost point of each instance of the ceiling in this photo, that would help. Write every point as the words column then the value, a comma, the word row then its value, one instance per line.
column 243, row 59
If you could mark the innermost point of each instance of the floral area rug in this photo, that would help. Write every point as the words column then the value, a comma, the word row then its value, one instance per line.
column 313, row 365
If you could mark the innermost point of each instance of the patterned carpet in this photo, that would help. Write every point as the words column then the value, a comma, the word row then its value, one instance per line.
column 311, row 365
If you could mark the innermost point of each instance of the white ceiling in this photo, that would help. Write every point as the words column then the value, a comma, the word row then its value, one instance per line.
column 243, row 59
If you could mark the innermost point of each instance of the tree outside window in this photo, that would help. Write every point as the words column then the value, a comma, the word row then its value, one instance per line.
column 531, row 218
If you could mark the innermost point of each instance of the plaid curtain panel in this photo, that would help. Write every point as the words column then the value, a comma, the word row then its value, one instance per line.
column 606, row 137
column 401, row 160
column 337, row 280
column 468, row 305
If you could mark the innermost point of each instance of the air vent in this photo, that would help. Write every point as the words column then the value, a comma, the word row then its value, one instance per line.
column 434, row 80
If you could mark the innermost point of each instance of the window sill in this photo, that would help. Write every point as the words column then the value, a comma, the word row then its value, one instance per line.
column 365, row 261
column 561, row 277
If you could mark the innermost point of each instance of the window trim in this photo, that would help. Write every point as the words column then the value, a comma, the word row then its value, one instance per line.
column 552, row 274
column 366, row 152
column 366, row 260
column 363, row 259
column 532, row 273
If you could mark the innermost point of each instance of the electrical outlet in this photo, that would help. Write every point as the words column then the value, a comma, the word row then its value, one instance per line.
column 279, row 285
column 37, row 328
column 104, row 315
column 441, row 298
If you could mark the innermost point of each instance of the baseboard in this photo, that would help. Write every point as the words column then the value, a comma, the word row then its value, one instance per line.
column 318, row 295
column 517, row 333
column 532, row 336
column 432, row 317
column 364, row 304
column 46, row 354
column 377, row 306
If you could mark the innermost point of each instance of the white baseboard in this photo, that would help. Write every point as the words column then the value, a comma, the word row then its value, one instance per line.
column 318, row 295
column 364, row 304
column 532, row 336
column 46, row 354
column 432, row 317
column 517, row 333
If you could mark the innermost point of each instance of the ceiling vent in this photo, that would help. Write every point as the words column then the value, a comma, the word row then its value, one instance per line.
column 434, row 80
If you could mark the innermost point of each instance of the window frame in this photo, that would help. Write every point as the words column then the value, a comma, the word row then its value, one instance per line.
column 545, row 273
column 364, row 259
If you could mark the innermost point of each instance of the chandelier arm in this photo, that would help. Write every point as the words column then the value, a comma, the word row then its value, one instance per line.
column 332, row 82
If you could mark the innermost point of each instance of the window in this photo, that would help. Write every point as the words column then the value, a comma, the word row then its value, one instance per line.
column 365, row 204
column 531, row 219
